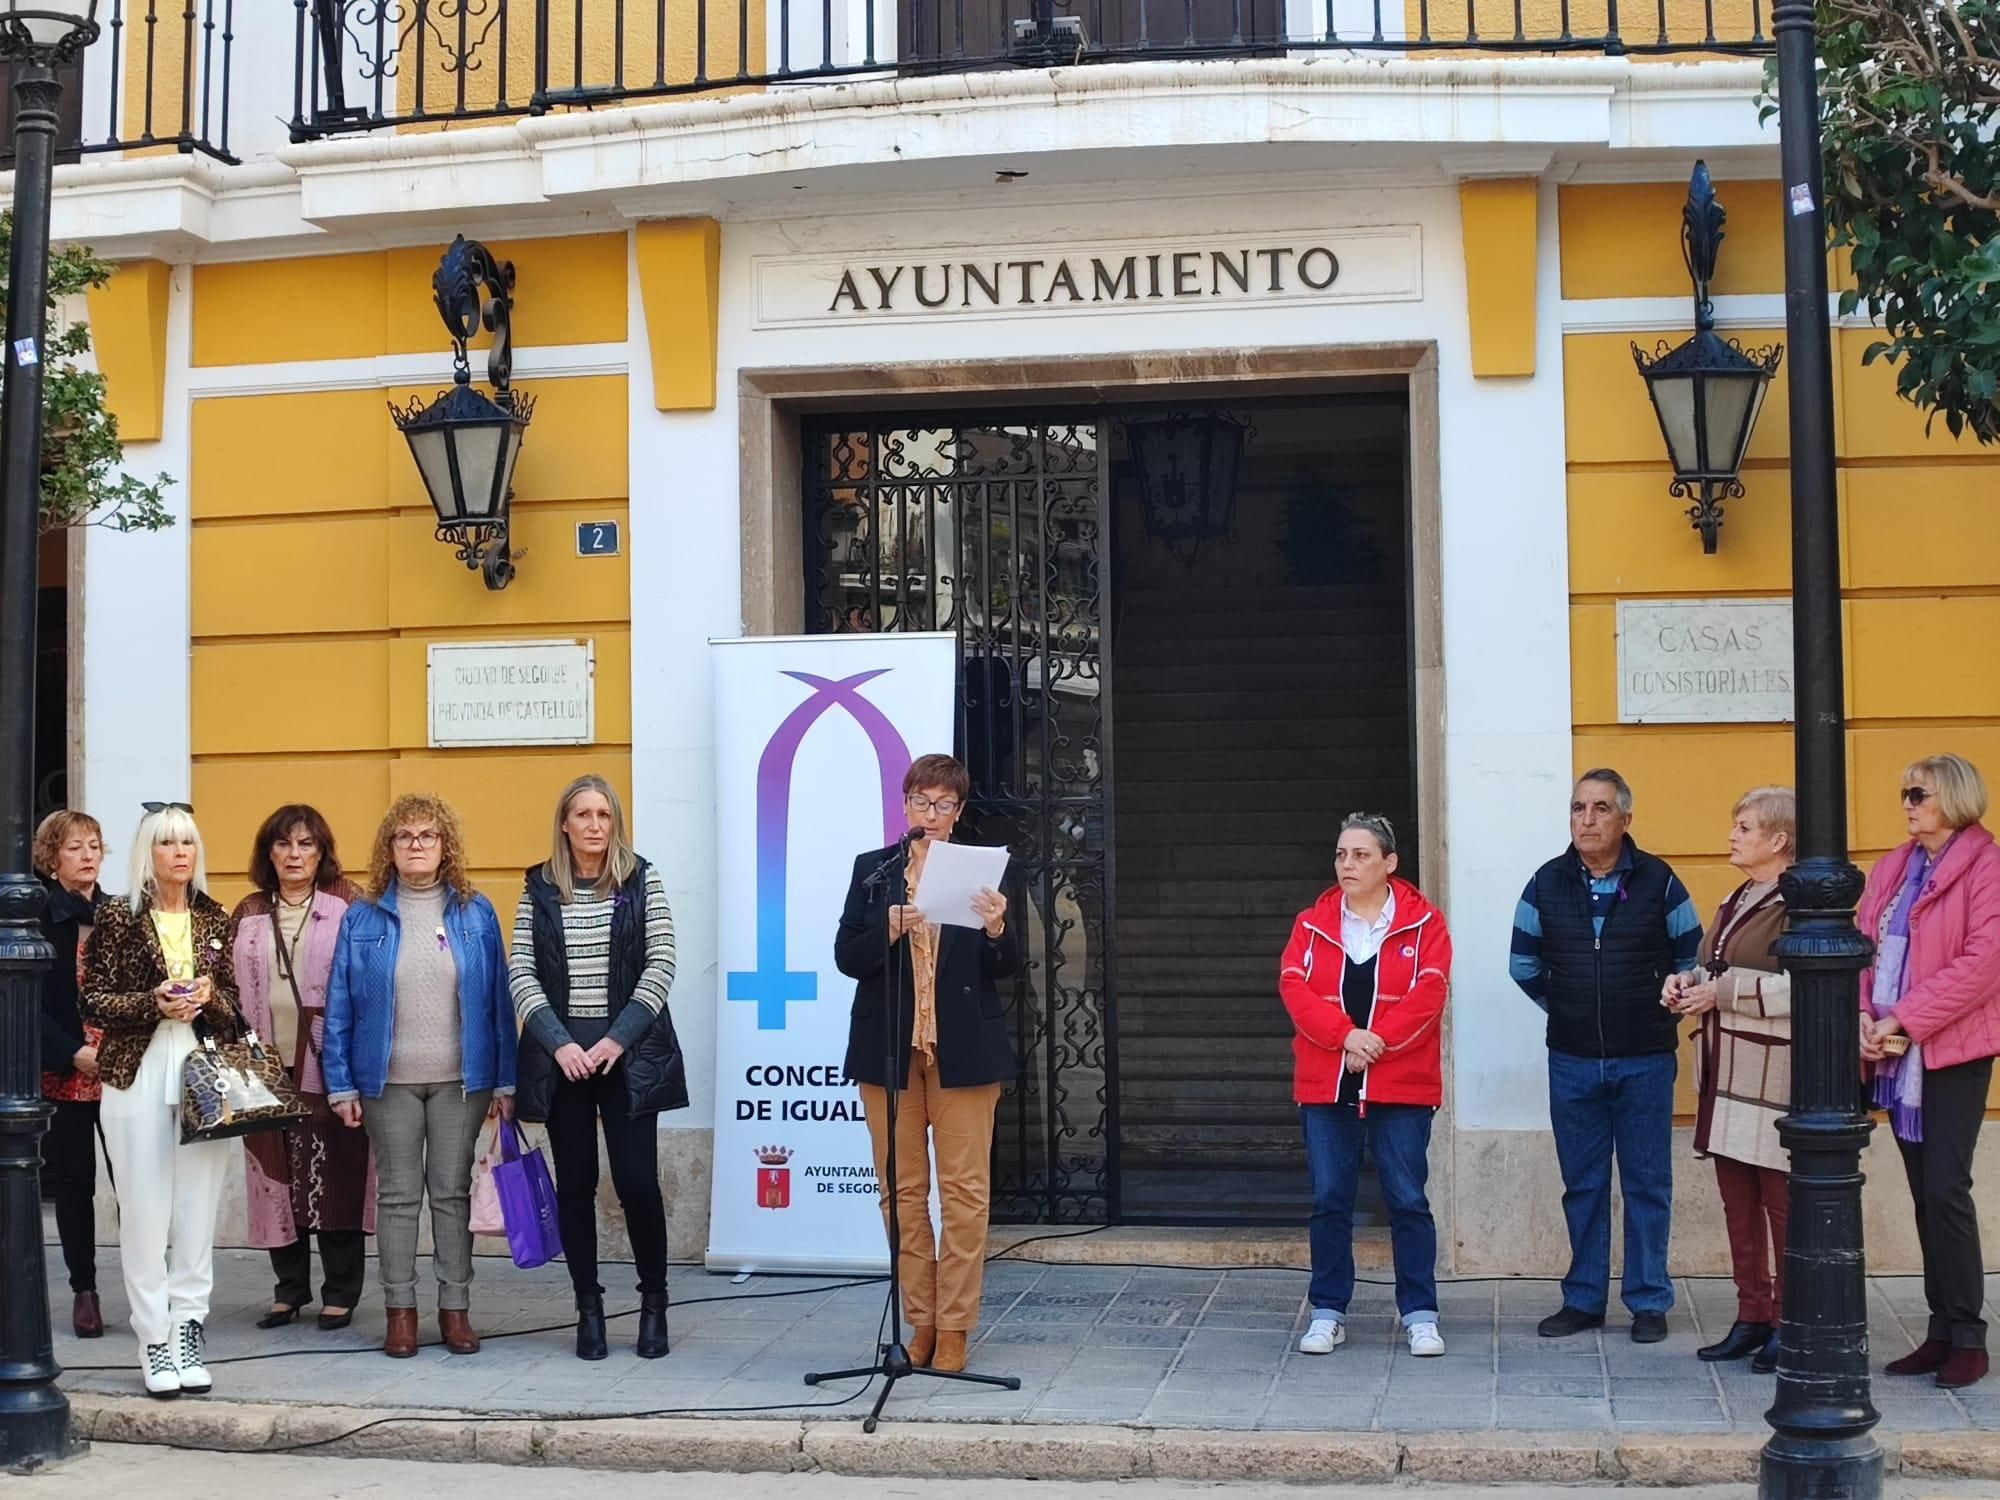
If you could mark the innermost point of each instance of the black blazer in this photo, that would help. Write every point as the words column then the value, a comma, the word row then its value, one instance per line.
column 972, row 1045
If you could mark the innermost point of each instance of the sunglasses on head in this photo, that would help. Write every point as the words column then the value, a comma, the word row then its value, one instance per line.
column 160, row 807
column 1917, row 796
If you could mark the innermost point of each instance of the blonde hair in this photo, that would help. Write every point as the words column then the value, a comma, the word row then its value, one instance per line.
column 412, row 809
column 1775, row 809
column 620, row 860
column 56, row 830
column 170, row 825
column 1961, row 790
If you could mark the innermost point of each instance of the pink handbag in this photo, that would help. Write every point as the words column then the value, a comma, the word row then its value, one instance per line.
column 486, row 1215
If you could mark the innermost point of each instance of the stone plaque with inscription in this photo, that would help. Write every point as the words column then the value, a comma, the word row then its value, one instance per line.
column 512, row 693
column 1704, row 661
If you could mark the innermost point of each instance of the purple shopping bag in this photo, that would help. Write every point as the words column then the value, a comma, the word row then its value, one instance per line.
column 527, row 1201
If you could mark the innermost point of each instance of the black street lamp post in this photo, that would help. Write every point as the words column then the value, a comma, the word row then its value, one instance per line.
column 1821, row 1447
column 34, row 1414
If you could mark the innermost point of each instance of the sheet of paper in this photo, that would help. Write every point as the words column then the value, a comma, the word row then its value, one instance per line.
column 953, row 875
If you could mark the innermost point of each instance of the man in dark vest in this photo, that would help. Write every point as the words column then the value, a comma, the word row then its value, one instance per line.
column 1598, row 930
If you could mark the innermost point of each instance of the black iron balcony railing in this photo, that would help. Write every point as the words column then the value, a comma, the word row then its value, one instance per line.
column 156, row 79
column 364, row 64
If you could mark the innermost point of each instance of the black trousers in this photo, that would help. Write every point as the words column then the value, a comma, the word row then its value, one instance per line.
column 632, row 1144
column 1940, row 1172
column 69, row 1179
column 343, row 1259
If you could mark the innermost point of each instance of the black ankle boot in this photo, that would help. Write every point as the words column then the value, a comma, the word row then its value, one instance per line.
column 590, row 1339
column 653, row 1325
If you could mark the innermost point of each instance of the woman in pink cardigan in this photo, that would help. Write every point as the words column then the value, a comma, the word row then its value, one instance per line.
column 315, row 1177
column 1930, row 1023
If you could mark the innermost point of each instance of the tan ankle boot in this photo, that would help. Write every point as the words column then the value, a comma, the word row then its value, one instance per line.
column 950, row 1350
column 922, row 1343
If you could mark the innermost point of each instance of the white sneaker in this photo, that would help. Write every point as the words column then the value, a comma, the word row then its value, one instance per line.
column 163, row 1376
column 1325, row 1335
column 187, row 1356
column 1425, row 1340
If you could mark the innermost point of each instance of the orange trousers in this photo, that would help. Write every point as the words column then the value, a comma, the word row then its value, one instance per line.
column 942, row 1277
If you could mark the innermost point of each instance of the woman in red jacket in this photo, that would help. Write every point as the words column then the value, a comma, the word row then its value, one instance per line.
column 1365, row 977
column 1932, row 908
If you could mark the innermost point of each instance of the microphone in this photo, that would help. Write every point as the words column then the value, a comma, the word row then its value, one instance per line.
column 898, row 852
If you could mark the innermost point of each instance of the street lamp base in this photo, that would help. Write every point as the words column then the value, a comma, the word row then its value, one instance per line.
column 1796, row 1468
column 35, row 1429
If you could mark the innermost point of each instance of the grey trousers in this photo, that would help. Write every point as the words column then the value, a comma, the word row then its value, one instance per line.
column 424, row 1135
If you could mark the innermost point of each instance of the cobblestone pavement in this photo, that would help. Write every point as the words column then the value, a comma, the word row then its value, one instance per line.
column 1091, row 1344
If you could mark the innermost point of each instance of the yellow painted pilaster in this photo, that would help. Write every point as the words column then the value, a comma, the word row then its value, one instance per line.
column 680, row 271
column 128, row 329
column 1499, row 217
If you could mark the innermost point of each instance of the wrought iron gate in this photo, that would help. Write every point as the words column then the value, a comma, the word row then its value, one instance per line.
column 993, row 527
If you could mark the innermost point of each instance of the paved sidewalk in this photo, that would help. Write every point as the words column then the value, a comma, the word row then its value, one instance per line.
column 1092, row 1345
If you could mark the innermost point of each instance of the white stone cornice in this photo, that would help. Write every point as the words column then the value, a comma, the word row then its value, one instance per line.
column 1134, row 125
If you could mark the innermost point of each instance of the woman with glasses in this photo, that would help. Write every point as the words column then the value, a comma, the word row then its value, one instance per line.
column 156, row 974
column 593, row 959
column 1930, row 1024
column 314, row 1177
column 1365, row 979
column 68, row 853
column 420, row 1044
column 928, row 995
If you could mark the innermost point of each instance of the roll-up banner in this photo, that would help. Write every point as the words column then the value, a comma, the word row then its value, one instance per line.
column 812, row 737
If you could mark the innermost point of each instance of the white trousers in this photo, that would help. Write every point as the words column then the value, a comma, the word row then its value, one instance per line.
column 168, row 1198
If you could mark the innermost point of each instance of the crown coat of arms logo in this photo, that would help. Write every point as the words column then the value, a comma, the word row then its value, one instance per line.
column 774, row 1177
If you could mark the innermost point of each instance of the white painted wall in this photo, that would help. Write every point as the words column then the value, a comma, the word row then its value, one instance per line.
column 135, row 630
column 1506, row 636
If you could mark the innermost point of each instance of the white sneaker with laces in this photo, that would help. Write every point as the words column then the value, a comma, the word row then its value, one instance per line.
column 1425, row 1340
column 187, row 1356
column 1323, row 1337
column 163, row 1376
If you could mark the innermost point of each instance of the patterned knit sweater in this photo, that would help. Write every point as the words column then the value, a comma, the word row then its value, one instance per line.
column 587, row 941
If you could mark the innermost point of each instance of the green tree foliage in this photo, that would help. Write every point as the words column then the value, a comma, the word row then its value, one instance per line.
column 1910, row 119
column 81, row 455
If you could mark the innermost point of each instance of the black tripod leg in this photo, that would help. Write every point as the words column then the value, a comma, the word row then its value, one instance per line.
column 868, row 1422
column 966, row 1377
column 842, row 1374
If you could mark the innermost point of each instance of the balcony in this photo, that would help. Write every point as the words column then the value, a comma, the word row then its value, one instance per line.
column 363, row 65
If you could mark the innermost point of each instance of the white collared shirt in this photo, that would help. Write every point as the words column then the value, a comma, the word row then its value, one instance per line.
column 1362, row 939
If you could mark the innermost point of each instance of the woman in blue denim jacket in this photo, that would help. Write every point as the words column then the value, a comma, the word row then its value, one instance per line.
column 420, row 1042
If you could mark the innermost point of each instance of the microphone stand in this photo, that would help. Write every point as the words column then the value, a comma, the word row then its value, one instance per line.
column 893, row 1361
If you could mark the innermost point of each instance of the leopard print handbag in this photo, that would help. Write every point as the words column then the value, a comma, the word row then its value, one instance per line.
column 234, row 1088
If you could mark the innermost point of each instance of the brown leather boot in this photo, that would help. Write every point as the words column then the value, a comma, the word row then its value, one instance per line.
column 400, row 1342
column 87, row 1318
column 457, row 1330
column 922, row 1344
column 950, row 1354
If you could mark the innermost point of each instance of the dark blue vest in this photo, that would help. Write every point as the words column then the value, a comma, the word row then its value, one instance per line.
column 1604, row 993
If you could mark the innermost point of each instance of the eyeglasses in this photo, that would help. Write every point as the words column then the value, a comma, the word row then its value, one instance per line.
column 1917, row 796
column 944, row 807
column 160, row 807
column 426, row 839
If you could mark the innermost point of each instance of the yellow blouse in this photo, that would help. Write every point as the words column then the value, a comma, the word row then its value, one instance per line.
column 923, row 971
column 176, row 933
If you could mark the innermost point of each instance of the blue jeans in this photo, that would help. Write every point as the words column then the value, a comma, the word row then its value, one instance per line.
column 1401, row 1137
column 1598, row 1106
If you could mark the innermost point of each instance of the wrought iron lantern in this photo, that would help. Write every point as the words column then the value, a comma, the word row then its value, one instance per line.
column 465, row 442
column 1186, row 463
column 1708, row 391
column 57, row 30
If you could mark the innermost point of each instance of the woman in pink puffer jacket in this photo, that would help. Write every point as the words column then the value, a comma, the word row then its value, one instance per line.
column 1932, row 908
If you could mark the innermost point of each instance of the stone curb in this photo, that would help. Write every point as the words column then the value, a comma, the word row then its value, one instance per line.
column 970, row 1450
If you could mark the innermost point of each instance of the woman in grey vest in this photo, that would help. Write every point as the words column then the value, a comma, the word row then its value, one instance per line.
column 593, row 960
